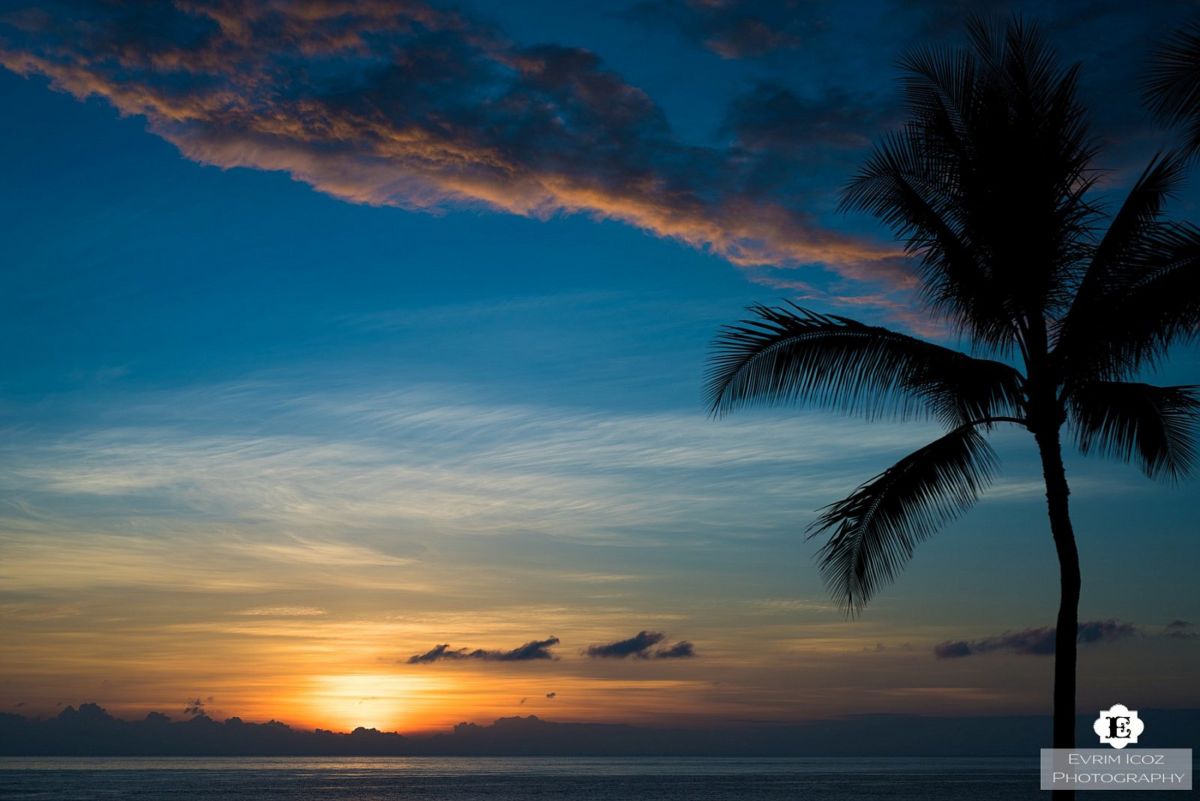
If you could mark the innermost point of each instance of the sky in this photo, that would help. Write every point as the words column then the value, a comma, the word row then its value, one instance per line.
column 333, row 334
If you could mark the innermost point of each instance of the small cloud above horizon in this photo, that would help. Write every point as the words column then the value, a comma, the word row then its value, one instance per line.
column 639, row 646
column 195, row 707
column 530, row 651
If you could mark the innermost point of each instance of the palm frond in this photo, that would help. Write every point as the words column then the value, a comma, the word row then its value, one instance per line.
column 1173, row 83
column 876, row 528
column 996, row 142
column 1130, row 246
column 1133, row 230
column 1153, row 305
column 899, row 187
column 789, row 354
column 1153, row 426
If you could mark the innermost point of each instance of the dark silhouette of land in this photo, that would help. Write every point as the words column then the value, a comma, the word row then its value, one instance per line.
column 91, row 731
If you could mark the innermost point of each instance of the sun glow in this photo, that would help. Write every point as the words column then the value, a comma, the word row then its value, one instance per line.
column 373, row 701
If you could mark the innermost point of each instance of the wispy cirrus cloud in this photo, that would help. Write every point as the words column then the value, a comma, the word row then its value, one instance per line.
column 340, row 480
column 282, row 611
column 428, row 457
column 402, row 103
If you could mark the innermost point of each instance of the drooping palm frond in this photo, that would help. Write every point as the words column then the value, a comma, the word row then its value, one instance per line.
column 1173, row 83
column 876, row 528
column 790, row 354
column 1154, row 426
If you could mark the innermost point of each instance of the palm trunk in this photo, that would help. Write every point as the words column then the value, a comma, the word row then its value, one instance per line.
column 1066, row 631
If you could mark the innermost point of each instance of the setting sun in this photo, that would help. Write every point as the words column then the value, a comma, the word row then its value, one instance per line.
column 372, row 701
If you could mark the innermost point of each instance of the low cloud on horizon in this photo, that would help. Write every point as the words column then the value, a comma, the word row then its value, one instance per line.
column 1037, row 641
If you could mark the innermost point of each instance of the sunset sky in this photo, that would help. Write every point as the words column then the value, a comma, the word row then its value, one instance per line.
column 333, row 332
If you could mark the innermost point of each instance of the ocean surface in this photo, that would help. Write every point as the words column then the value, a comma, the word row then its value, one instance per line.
column 518, row 778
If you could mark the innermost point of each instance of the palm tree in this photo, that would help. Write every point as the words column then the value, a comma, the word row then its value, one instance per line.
column 988, row 185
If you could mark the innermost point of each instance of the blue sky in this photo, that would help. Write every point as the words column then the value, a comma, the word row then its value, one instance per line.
column 319, row 425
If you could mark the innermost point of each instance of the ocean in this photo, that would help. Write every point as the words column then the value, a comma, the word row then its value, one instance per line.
column 518, row 778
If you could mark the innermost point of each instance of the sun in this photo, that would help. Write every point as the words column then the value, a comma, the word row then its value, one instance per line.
column 369, row 700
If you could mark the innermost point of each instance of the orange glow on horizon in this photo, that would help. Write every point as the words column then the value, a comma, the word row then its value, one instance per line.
column 381, row 701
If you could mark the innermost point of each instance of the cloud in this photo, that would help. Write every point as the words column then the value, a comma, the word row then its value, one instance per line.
column 952, row 649
column 1180, row 630
column 803, row 143
column 1104, row 630
column 436, row 654
column 536, row 649
column 680, row 650
column 282, row 611
column 1034, row 641
column 405, row 461
column 194, row 707
column 639, row 646
column 398, row 103
column 736, row 29
column 773, row 117
column 914, row 317
column 533, row 650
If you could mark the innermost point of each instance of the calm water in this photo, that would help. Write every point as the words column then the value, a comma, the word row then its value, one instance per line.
column 514, row 779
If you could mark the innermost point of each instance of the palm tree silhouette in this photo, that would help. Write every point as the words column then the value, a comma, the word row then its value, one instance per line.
column 988, row 185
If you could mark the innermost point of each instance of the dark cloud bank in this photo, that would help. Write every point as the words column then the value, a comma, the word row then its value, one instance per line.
column 89, row 730
column 411, row 104
column 418, row 105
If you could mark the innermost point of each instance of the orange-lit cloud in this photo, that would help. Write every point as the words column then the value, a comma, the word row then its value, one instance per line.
column 400, row 104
